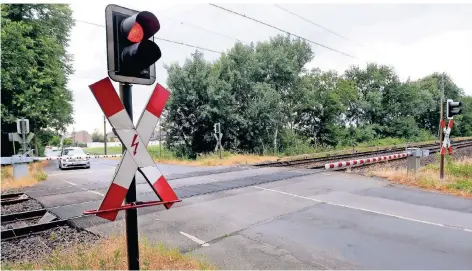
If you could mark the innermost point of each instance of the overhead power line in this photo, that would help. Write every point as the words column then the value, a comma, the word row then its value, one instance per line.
column 313, row 23
column 281, row 30
column 204, row 29
column 166, row 40
column 188, row 45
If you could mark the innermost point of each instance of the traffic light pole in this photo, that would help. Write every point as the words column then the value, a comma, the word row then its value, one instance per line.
column 441, row 135
column 131, row 216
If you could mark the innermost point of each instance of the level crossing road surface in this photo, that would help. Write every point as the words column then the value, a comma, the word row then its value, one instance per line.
column 279, row 218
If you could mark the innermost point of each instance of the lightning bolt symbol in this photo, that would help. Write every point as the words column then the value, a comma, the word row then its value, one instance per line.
column 135, row 144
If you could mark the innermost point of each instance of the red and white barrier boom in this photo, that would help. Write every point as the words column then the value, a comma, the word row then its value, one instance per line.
column 136, row 156
column 365, row 161
column 82, row 156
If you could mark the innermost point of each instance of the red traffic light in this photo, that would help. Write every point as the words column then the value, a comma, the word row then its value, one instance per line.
column 143, row 24
column 136, row 33
column 131, row 50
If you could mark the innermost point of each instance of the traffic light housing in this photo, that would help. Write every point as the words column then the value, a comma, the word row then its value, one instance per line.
column 131, row 51
column 452, row 108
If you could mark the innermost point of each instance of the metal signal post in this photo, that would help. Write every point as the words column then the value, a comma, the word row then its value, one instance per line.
column 131, row 57
column 441, row 118
column 131, row 215
column 452, row 109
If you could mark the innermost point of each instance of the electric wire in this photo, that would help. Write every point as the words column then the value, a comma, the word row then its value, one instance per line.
column 282, row 30
column 313, row 23
column 163, row 39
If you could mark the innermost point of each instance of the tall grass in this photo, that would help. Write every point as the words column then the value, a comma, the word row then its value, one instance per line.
column 457, row 177
column 111, row 254
column 35, row 174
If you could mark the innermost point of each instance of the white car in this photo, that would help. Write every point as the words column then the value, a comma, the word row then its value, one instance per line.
column 51, row 152
column 74, row 157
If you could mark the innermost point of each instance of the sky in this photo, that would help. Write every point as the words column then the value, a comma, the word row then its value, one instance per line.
column 416, row 39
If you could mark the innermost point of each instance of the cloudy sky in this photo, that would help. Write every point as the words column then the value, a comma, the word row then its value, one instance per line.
column 416, row 39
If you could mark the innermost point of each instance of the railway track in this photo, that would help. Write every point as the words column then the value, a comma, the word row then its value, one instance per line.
column 13, row 198
column 319, row 162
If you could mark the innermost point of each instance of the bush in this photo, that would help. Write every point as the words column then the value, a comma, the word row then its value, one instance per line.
column 293, row 144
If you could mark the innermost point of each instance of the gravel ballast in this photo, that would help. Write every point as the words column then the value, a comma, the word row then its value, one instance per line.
column 12, row 191
column 19, row 224
column 42, row 244
column 24, row 206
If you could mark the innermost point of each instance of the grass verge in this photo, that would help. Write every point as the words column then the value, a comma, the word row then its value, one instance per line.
column 457, row 177
column 35, row 175
column 110, row 254
column 212, row 159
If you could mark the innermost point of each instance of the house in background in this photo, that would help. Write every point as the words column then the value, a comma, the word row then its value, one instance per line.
column 111, row 137
column 81, row 137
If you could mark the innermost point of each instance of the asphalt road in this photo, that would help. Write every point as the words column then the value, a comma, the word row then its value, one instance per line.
column 281, row 218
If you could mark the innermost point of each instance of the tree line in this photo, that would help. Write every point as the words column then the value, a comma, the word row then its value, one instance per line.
column 262, row 94
column 268, row 101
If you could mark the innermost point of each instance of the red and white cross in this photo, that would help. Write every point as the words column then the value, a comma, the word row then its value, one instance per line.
column 446, row 144
column 135, row 139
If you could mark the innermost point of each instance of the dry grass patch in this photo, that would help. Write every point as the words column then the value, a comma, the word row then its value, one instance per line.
column 214, row 160
column 457, row 177
column 35, row 175
column 110, row 254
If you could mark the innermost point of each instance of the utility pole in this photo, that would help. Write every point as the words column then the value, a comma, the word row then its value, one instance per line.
column 105, row 132
column 441, row 117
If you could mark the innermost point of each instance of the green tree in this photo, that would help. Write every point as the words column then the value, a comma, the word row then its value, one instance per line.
column 233, row 77
column 431, row 84
column 279, row 62
column 55, row 140
column 372, row 84
column 97, row 137
column 264, row 117
column 325, row 102
column 67, row 142
column 189, row 124
column 463, row 122
column 35, row 65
